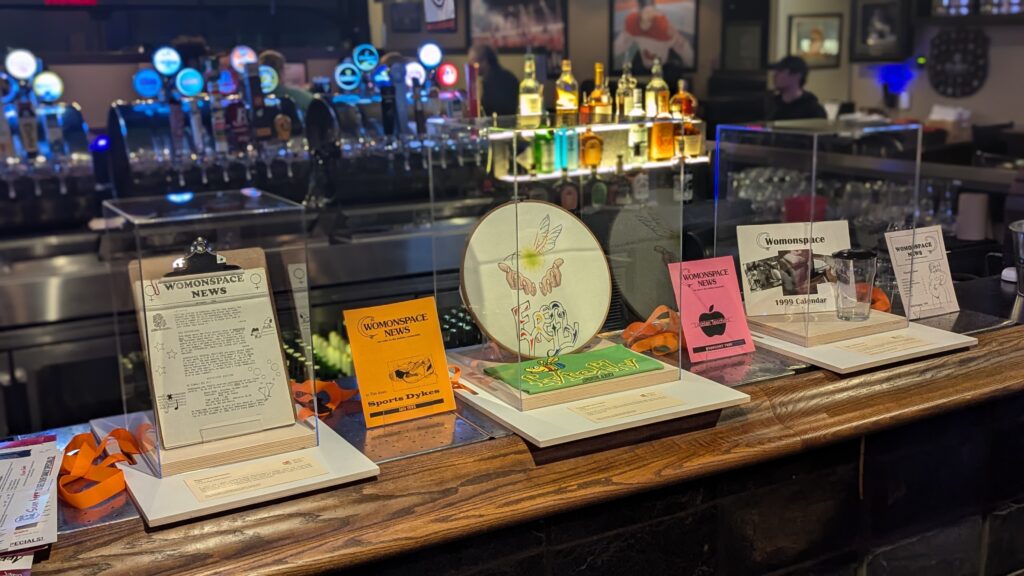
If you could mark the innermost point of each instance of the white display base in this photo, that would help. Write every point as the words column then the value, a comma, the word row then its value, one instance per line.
column 837, row 356
column 558, row 424
column 166, row 500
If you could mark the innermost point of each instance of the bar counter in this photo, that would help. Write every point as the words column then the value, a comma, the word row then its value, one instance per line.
column 463, row 492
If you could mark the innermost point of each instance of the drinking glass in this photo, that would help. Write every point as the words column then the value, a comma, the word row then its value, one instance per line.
column 855, row 279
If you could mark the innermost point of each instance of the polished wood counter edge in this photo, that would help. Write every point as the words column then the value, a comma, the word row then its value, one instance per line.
column 460, row 492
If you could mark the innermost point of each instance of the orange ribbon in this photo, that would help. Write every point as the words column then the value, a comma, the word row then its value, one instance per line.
column 305, row 393
column 659, row 334
column 79, row 462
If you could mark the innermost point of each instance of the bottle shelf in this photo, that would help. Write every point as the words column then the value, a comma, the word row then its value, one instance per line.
column 497, row 134
column 644, row 166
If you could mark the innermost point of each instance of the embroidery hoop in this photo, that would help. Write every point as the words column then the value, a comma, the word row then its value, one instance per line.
column 586, row 286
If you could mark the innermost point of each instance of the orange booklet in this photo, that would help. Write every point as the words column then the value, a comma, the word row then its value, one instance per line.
column 400, row 361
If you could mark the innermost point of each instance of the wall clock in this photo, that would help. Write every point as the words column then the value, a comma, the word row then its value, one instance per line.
column 535, row 279
column 958, row 62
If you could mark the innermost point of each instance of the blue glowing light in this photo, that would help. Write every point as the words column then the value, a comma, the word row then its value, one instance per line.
column 430, row 55
column 895, row 77
column 180, row 197
column 347, row 76
column 100, row 144
column 167, row 61
column 189, row 82
column 365, row 56
column 252, row 192
column 147, row 83
column 382, row 75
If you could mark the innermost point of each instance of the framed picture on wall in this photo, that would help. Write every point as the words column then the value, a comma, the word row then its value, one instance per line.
column 518, row 25
column 642, row 30
column 743, row 46
column 404, row 18
column 880, row 30
column 816, row 38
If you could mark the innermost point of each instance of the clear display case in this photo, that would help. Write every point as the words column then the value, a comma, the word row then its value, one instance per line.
column 219, row 293
column 804, row 206
column 568, row 281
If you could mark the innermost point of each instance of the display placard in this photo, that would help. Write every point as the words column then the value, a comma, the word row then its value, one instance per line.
column 400, row 361
column 785, row 266
column 269, row 79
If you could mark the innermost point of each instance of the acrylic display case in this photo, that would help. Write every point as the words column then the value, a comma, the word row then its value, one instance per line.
column 805, row 206
column 216, row 284
column 568, row 282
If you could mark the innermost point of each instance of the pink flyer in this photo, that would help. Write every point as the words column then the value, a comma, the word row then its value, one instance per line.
column 710, row 308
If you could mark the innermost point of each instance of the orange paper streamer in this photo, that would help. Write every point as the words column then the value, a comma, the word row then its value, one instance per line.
column 304, row 394
column 79, row 462
column 659, row 334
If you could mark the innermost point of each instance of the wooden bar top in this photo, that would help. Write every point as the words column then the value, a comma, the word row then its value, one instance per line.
column 464, row 491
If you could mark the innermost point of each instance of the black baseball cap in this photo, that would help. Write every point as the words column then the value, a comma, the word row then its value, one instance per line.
column 791, row 64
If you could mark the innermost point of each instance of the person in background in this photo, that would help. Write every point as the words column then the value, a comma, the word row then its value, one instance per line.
column 790, row 101
column 193, row 50
column 500, row 87
column 300, row 96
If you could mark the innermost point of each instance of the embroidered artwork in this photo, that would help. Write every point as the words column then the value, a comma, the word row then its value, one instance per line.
column 544, row 268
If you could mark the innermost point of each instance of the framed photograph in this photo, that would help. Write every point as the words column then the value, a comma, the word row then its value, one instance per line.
column 405, row 18
column 816, row 38
column 743, row 46
column 880, row 30
column 518, row 25
column 643, row 30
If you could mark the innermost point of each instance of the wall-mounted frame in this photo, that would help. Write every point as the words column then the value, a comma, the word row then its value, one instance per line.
column 517, row 26
column 817, row 38
column 880, row 30
column 641, row 30
column 744, row 45
column 452, row 42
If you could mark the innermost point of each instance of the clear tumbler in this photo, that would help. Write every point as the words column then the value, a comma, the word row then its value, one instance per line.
column 855, row 280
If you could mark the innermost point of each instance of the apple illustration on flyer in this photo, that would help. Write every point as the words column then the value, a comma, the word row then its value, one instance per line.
column 710, row 309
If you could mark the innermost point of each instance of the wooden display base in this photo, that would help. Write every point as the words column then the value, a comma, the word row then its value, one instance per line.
column 914, row 341
column 560, row 424
column 174, row 461
column 817, row 328
column 166, row 500
column 474, row 360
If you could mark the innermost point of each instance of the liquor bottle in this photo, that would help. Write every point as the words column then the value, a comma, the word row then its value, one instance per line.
column 218, row 124
column 624, row 92
column 619, row 188
column 586, row 110
column 262, row 122
column 28, row 128
column 6, row 137
column 600, row 98
column 693, row 140
column 596, row 190
column 683, row 104
column 655, row 88
column 572, row 149
column 637, row 137
column 561, row 148
column 568, row 194
column 661, row 144
column 543, row 152
column 567, row 103
column 530, row 95
column 591, row 148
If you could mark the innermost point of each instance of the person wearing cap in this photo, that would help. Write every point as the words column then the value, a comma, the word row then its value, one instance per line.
column 790, row 101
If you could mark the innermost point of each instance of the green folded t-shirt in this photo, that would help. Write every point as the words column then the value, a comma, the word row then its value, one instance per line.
column 558, row 373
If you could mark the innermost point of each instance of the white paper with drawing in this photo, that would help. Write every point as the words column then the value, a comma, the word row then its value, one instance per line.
column 782, row 273
column 922, row 271
column 215, row 356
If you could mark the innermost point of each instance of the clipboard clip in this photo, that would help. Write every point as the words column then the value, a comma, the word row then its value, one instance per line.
column 199, row 259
